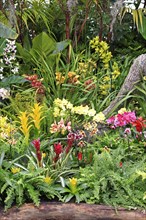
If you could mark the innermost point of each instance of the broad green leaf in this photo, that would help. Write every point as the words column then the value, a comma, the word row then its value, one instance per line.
column 43, row 44
column 6, row 32
column 12, row 80
column 2, row 45
column 142, row 29
column 60, row 46
column 25, row 55
column 1, row 158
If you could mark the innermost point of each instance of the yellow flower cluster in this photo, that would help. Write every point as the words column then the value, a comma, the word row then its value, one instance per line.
column 71, row 77
column 6, row 129
column 99, row 117
column 61, row 106
column 83, row 110
column 107, row 79
column 84, row 68
column 101, row 48
column 15, row 170
column 116, row 71
column 105, row 88
column 59, row 78
column 122, row 110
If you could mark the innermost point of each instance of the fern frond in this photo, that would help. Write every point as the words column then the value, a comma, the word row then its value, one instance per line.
column 33, row 194
column 9, row 198
column 20, row 194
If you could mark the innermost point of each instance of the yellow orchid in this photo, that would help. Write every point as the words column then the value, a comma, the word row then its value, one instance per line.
column 59, row 78
column 100, row 117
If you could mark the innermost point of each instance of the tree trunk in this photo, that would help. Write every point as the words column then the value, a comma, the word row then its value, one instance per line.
column 137, row 70
column 70, row 211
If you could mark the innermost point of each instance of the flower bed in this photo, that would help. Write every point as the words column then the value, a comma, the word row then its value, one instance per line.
column 62, row 150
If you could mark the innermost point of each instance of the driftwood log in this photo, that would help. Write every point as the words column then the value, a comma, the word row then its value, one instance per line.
column 137, row 70
column 69, row 211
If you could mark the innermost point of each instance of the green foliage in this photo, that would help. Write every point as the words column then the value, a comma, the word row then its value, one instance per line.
column 7, row 81
column 43, row 47
column 2, row 45
column 7, row 32
column 112, row 184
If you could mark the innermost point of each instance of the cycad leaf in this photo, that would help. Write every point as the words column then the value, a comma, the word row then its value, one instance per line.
column 135, row 17
column 140, row 13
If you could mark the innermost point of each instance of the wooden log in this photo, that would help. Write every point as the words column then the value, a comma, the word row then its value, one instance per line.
column 69, row 211
column 137, row 70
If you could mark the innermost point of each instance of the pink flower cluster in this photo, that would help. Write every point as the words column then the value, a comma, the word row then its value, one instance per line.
column 71, row 138
column 60, row 127
column 75, row 135
column 121, row 120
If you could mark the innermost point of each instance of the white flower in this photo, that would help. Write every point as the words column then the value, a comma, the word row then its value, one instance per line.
column 1, row 75
column 15, row 70
column 1, row 71
column 4, row 93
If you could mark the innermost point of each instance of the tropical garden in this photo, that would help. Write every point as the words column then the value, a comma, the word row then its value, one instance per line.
column 61, row 64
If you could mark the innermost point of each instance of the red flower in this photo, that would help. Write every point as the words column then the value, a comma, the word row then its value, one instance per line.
column 139, row 124
column 80, row 155
column 39, row 155
column 36, row 144
column 58, row 148
column 69, row 145
column 120, row 164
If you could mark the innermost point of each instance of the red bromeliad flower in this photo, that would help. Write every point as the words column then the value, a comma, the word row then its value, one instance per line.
column 80, row 156
column 58, row 148
column 69, row 145
column 139, row 124
column 37, row 144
